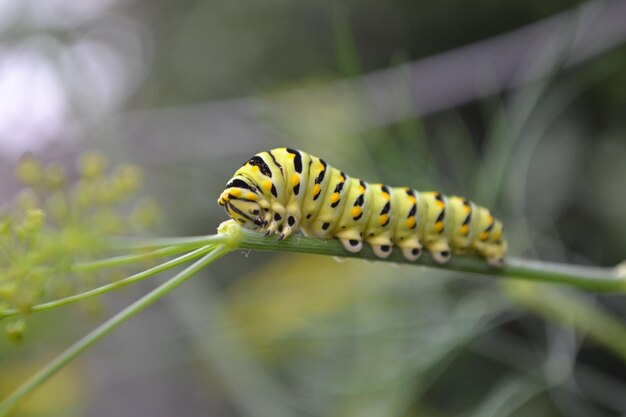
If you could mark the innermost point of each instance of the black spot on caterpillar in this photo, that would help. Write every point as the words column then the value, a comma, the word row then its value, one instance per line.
column 293, row 182
column 258, row 162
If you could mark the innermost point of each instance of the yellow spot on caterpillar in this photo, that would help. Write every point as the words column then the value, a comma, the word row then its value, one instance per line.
column 361, row 189
column 464, row 230
column 410, row 222
column 386, row 196
column 291, row 155
column 295, row 179
column 439, row 227
column 383, row 218
column 236, row 192
column 252, row 197
column 440, row 203
column 484, row 236
column 267, row 184
column 412, row 199
column 356, row 210
column 467, row 209
column 342, row 178
column 316, row 189
column 254, row 168
column 334, row 198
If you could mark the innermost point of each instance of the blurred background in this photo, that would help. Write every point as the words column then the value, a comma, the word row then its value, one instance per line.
column 518, row 105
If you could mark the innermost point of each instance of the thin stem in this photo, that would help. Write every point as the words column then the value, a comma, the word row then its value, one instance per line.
column 107, row 327
column 114, row 285
column 584, row 277
column 127, row 259
column 196, row 241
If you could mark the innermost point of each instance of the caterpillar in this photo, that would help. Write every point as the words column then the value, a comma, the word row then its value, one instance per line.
column 283, row 190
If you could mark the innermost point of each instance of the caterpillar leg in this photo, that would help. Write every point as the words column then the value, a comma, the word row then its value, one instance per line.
column 276, row 216
column 351, row 239
column 352, row 245
column 381, row 245
column 441, row 257
column 411, row 247
column 440, row 252
column 286, row 229
column 284, row 232
column 382, row 251
column 271, row 227
column 411, row 254
column 291, row 221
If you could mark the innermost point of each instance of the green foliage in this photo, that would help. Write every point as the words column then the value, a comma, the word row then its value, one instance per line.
column 55, row 223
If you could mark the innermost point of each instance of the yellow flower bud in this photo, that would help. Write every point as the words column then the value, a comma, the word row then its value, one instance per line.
column 14, row 329
column 73, row 240
column 54, row 176
column 33, row 220
column 127, row 178
column 8, row 290
column 107, row 193
column 145, row 214
column 92, row 165
column 29, row 170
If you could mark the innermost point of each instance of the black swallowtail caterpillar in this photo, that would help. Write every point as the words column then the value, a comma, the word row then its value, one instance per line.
column 284, row 189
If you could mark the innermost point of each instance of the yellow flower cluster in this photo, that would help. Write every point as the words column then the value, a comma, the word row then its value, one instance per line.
column 56, row 222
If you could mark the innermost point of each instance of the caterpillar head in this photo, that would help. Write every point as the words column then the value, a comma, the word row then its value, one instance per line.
column 243, row 205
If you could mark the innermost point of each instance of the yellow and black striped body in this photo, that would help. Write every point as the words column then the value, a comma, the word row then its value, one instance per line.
column 283, row 190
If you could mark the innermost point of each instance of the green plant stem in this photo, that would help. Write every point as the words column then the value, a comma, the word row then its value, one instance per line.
column 107, row 327
column 114, row 285
column 584, row 277
column 129, row 259
column 197, row 241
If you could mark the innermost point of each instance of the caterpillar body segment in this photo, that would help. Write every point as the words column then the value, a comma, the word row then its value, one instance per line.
column 283, row 190
column 460, row 222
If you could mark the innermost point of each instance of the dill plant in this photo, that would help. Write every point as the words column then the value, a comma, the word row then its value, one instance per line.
column 56, row 226
column 60, row 244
